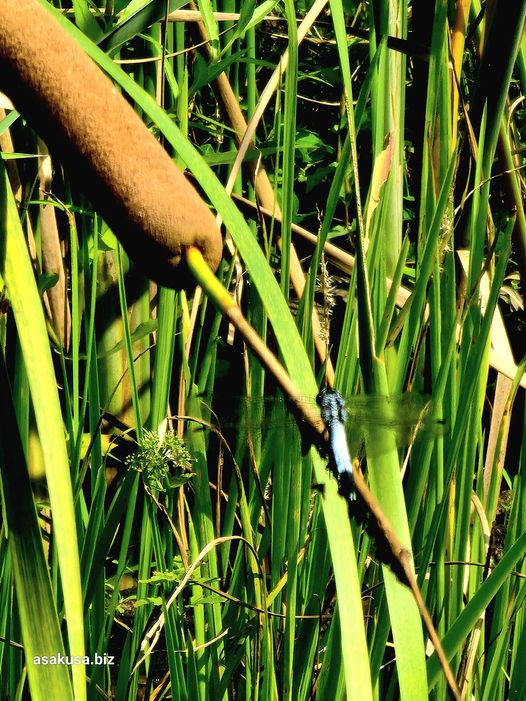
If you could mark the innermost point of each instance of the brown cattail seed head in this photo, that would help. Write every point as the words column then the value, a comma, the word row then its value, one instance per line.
column 109, row 152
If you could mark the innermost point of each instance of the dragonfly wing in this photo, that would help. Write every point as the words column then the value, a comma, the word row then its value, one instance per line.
column 401, row 414
column 405, row 416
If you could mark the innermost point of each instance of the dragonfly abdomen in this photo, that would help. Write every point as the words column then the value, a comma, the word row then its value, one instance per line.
column 341, row 458
column 334, row 414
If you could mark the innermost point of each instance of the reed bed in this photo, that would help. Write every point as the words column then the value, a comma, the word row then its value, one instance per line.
column 179, row 556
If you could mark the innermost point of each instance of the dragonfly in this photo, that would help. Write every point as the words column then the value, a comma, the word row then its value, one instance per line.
column 334, row 415
column 351, row 423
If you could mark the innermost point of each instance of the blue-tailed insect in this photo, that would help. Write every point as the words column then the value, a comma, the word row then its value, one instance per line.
column 356, row 427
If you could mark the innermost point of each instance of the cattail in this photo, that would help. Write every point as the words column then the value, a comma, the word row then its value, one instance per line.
column 109, row 152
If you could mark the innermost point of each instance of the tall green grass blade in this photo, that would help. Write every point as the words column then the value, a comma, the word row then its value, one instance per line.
column 289, row 139
column 85, row 21
column 39, row 621
column 384, row 470
column 207, row 15
column 134, row 22
column 19, row 278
